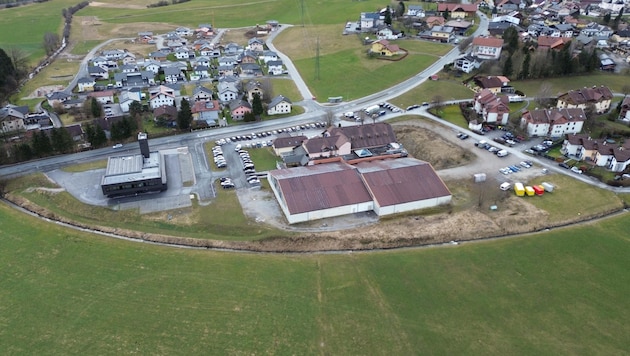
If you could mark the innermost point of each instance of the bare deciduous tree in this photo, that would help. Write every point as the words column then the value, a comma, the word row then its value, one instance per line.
column 51, row 42
column 267, row 88
column 543, row 97
column 329, row 117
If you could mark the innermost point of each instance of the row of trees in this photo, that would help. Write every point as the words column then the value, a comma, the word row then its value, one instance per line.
column 523, row 61
column 13, row 69
column 40, row 145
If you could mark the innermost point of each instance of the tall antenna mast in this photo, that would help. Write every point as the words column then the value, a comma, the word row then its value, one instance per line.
column 302, row 9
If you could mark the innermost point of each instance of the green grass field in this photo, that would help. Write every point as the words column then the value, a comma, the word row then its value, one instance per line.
column 562, row 292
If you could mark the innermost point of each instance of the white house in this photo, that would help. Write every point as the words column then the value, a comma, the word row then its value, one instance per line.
column 487, row 47
column 227, row 92
column 467, row 63
column 415, row 11
column 275, row 68
column 161, row 96
column 86, row 84
column 599, row 97
column 279, row 105
column 553, row 122
column 492, row 108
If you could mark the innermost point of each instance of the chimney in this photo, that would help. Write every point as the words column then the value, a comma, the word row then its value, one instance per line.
column 144, row 144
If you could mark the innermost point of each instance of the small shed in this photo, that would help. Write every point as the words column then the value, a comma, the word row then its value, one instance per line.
column 479, row 177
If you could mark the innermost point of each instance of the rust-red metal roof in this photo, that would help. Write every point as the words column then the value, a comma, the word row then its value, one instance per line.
column 403, row 180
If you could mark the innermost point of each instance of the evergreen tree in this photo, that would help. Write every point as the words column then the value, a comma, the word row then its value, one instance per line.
column 257, row 107
column 61, row 140
column 95, row 108
column 400, row 9
column 606, row 19
column 135, row 109
column 8, row 73
column 100, row 138
column 24, row 152
column 524, row 74
column 184, row 115
column 41, row 144
column 249, row 117
column 508, row 67
column 510, row 39
column 388, row 16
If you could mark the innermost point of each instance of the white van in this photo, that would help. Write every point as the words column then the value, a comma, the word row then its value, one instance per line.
column 505, row 186
column 502, row 153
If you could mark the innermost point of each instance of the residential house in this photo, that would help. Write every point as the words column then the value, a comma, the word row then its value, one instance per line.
column 203, row 61
column 286, row 144
column 75, row 131
column 114, row 54
column 384, row 48
column 201, row 93
column 435, row 21
column 270, row 56
column 207, row 111
column 57, row 97
column 238, row 109
column 487, row 47
column 457, row 11
column 624, row 114
column 227, row 92
column 549, row 42
column 459, row 26
column 160, row 96
column 100, row 61
column 98, row 72
column 492, row 108
column 598, row 97
column 256, row 44
column 86, row 84
column 198, row 44
column 227, row 61
column 145, row 37
column 496, row 84
column 279, row 105
column 172, row 74
column 166, row 114
column 37, row 121
column 467, row 63
column 369, row 21
column 158, row 56
column 327, row 146
column 152, row 66
column 232, row 49
column 127, row 97
column 438, row 33
column 129, row 68
column 385, row 32
column 248, row 57
column 73, row 103
column 415, row 11
column 254, row 87
column 251, row 70
column 12, row 117
column 594, row 29
column 615, row 157
column 183, row 31
column 103, row 97
column 275, row 68
column 553, row 122
column 210, row 51
column 200, row 72
column 184, row 53
column 621, row 159
column 226, row 71
column 128, row 58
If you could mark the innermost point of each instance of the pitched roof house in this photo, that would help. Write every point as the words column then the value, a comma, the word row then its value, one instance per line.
column 599, row 97
column 238, row 109
column 553, row 122
column 487, row 47
column 492, row 108
column 279, row 105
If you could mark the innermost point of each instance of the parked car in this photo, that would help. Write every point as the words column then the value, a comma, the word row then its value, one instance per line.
column 576, row 170
column 564, row 165
column 118, row 145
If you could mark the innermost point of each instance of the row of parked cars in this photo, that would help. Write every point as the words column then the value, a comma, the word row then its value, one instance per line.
column 219, row 159
column 514, row 168
column 264, row 134
column 492, row 149
column 248, row 166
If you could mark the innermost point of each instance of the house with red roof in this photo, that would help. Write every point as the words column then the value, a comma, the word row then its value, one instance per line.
column 598, row 97
column 492, row 108
column 487, row 47
column 553, row 122
column 458, row 11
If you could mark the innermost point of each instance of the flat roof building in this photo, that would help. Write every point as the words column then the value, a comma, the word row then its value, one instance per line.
column 135, row 174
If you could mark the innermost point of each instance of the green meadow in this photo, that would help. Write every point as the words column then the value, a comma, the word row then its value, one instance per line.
column 68, row 292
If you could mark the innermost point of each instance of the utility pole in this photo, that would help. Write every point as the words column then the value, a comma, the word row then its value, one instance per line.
column 317, row 60
column 302, row 9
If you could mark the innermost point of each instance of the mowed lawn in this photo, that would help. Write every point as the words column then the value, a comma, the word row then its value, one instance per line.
column 344, row 68
column 562, row 292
